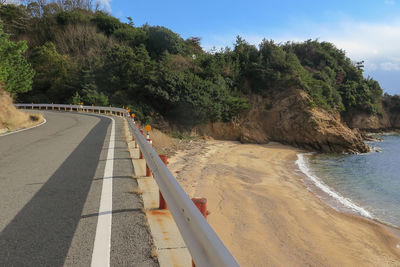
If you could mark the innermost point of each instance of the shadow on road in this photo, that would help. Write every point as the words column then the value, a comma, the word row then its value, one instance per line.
column 41, row 233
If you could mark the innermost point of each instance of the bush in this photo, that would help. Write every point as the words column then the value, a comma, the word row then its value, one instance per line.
column 15, row 71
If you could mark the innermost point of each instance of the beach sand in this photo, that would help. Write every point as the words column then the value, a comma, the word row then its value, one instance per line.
column 265, row 215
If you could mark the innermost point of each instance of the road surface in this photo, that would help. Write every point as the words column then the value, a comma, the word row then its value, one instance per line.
column 51, row 180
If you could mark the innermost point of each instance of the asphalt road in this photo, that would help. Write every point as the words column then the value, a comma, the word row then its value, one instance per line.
column 51, row 180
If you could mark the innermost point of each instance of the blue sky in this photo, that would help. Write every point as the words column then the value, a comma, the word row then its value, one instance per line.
column 367, row 30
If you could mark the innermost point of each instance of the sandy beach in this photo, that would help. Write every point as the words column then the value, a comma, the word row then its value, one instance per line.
column 265, row 215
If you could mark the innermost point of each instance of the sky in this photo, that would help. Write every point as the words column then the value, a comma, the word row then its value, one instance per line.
column 367, row 30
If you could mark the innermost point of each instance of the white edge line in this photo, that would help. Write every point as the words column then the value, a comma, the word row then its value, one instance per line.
column 21, row 130
column 102, row 241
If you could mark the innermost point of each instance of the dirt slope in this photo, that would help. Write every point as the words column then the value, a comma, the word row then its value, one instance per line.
column 11, row 118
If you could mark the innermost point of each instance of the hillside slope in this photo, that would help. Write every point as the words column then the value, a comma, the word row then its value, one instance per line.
column 308, row 94
column 11, row 118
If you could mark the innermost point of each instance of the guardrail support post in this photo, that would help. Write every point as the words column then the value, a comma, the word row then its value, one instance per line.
column 162, row 204
column 140, row 151
column 148, row 171
column 201, row 204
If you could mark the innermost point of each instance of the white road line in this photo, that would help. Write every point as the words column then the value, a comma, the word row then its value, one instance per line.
column 102, row 242
column 13, row 132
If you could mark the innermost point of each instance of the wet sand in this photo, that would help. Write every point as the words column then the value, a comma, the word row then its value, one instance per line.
column 265, row 215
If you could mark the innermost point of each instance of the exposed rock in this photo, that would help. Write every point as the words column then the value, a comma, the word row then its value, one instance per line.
column 368, row 122
column 253, row 136
column 290, row 120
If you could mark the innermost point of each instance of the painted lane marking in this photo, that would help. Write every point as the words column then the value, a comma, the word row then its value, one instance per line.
column 102, row 241
column 13, row 132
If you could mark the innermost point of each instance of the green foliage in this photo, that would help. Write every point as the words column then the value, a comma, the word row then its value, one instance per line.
column 160, row 39
column 76, row 99
column 130, row 36
column 91, row 57
column 106, row 23
column 336, row 82
column 72, row 17
column 392, row 103
column 15, row 18
column 93, row 97
column 15, row 71
column 55, row 74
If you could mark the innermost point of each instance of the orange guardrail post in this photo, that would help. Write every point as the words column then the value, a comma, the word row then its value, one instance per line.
column 162, row 204
column 133, row 118
column 141, row 154
column 148, row 129
column 201, row 204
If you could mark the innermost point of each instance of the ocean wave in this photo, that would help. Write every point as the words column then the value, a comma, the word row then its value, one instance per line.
column 302, row 163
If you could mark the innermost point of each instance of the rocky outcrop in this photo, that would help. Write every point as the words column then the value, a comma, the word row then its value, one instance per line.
column 289, row 118
column 386, row 121
column 394, row 120
column 367, row 122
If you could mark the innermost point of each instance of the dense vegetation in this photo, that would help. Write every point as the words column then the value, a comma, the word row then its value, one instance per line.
column 83, row 55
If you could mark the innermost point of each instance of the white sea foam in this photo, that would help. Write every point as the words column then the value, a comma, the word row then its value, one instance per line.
column 303, row 166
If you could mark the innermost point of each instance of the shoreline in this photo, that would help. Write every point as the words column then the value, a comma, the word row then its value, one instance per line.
column 288, row 223
column 393, row 229
column 346, row 210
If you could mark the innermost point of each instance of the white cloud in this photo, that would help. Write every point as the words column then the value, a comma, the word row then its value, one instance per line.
column 104, row 4
column 375, row 43
column 390, row 66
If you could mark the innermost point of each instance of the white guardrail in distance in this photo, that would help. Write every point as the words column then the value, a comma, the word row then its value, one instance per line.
column 203, row 243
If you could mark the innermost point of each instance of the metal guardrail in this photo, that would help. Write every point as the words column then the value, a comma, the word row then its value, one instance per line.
column 74, row 108
column 203, row 243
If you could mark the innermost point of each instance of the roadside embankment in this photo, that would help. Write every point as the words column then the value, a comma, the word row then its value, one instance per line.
column 265, row 215
column 11, row 118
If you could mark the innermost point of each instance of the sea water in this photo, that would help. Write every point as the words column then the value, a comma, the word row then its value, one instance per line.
column 367, row 184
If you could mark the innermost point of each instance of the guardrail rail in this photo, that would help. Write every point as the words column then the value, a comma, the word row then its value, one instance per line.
column 203, row 243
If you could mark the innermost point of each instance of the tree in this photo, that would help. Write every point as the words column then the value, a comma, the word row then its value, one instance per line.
column 130, row 35
column 15, row 18
column 160, row 39
column 56, row 74
column 15, row 71
column 106, row 23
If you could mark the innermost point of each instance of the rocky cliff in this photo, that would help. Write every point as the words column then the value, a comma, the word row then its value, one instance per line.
column 388, row 120
column 289, row 118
